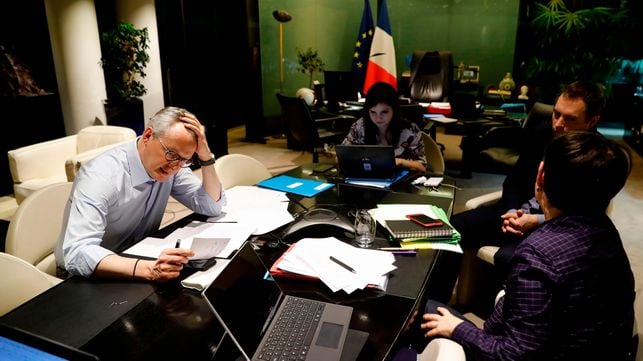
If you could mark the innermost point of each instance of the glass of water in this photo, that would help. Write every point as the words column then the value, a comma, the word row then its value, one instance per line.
column 365, row 226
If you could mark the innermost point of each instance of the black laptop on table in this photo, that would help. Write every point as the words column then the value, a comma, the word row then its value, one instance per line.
column 266, row 324
column 18, row 344
column 366, row 161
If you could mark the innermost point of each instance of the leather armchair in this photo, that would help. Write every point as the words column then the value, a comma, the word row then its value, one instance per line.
column 431, row 76
column 21, row 282
column 38, row 165
column 500, row 145
column 307, row 133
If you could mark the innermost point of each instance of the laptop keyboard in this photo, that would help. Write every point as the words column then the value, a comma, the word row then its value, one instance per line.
column 293, row 331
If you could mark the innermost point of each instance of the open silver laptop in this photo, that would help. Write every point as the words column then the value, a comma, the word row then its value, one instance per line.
column 256, row 314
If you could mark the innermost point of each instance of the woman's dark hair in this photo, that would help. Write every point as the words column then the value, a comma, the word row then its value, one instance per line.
column 583, row 171
column 381, row 92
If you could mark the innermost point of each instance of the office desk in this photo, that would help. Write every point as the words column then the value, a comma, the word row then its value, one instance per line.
column 123, row 320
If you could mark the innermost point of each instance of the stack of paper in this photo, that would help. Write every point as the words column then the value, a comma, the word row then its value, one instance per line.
column 384, row 212
column 260, row 208
column 338, row 264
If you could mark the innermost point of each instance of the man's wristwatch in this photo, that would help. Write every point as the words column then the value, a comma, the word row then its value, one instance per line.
column 207, row 162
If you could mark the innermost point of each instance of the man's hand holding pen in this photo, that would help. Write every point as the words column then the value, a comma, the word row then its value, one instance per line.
column 169, row 263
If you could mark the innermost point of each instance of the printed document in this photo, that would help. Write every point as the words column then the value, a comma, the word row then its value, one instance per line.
column 206, row 239
column 261, row 208
column 338, row 264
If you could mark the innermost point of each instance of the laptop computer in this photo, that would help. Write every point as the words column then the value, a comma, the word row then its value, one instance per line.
column 18, row 344
column 366, row 161
column 252, row 308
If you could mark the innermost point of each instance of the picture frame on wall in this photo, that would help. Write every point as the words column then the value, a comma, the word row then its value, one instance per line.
column 470, row 74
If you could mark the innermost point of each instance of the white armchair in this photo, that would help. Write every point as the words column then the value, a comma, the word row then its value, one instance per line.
column 485, row 253
column 38, row 165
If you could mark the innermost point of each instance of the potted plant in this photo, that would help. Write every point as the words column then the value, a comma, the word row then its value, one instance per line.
column 309, row 63
column 124, row 58
column 572, row 40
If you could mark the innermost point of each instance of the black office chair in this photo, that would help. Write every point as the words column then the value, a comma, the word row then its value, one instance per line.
column 309, row 134
column 500, row 145
column 431, row 76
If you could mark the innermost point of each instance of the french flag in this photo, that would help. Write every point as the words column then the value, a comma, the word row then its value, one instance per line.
column 381, row 61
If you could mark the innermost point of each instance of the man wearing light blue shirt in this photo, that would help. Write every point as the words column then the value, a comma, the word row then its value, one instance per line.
column 119, row 198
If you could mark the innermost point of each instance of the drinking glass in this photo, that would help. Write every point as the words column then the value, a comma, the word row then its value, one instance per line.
column 365, row 226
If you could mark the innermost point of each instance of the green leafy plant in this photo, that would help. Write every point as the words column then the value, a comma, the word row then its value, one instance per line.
column 124, row 56
column 576, row 41
column 309, row 63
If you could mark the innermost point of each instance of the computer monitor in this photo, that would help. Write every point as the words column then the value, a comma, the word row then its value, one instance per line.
column 339, row 86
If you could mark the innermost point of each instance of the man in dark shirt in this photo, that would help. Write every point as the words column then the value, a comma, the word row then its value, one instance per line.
column 506, row 222
column 570, row 290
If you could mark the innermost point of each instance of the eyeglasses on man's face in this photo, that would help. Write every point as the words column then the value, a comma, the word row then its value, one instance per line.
column 172, row 156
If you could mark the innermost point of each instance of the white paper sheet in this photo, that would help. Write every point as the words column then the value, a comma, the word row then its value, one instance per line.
column 311, row 256
column 236, row 234
column 263, row 209
column 202, row 279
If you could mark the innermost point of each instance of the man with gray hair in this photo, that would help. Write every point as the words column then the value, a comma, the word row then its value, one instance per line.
column 119, row 197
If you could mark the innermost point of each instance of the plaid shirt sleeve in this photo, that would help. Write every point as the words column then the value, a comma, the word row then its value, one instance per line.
column 521, row 321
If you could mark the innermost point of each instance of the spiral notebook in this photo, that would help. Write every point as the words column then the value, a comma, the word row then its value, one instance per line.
column 404, row 229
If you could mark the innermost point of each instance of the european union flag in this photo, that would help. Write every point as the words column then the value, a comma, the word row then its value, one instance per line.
column 363, row 44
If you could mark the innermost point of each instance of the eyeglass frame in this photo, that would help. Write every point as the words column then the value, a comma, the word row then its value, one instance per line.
column 172, row 156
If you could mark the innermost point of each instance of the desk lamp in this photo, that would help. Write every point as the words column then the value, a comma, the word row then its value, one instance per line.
column 282, row 17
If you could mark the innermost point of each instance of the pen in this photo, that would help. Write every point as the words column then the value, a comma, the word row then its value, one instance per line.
column 178, row 243
column 406, row 252
column 344, row 265
column 397, row 249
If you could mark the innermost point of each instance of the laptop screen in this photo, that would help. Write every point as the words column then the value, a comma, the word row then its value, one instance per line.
column 366, row 161
column 17, row 344
column 245, row 298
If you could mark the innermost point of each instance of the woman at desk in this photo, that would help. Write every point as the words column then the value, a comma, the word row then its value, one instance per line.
column 382, row 124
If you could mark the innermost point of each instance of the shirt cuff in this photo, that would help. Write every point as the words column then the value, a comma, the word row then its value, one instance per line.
column 541, row 219
column 466, row 332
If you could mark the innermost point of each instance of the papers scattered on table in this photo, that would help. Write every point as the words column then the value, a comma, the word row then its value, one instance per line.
column 260, row 208
column 339, row 265
column 206, row 239
column 202, row 279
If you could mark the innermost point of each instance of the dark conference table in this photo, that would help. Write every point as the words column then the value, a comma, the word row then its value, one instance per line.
column 123, row 320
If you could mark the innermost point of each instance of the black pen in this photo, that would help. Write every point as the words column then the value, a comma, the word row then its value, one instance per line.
column 344, row 265
column 178, row 243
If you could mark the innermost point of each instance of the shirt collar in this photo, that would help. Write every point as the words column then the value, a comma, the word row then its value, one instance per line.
column 137, row 170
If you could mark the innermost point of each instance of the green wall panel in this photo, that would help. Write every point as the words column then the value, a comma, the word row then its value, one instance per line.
column 478, row 32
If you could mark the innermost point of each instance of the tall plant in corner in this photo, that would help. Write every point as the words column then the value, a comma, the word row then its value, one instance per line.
column 571, row 40
column 309, row 63
column 124, row 57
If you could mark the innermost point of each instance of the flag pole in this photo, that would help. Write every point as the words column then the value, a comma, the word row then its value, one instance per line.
column 281, row 57
column 282, row 17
